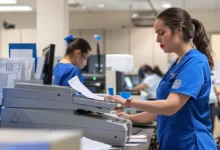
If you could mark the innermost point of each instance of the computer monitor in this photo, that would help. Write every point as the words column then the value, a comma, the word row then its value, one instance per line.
column 48, row 53
column 95, row 82
column 128, row 83
column 135, row 80
column 92, row 65
column 120, row 84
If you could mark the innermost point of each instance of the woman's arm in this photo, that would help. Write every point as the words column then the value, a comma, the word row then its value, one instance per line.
column 143, row 117
column 168, row 107
column 141, row 86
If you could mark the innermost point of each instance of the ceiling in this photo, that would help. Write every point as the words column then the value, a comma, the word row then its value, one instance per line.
column 134, row 5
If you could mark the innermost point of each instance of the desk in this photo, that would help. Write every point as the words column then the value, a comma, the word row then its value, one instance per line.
column 143, row 146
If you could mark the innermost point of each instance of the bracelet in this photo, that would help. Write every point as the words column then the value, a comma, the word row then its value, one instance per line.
column 128, row 103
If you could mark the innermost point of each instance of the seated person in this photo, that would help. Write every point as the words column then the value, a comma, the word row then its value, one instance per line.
column 77, row 53
column 151, row 81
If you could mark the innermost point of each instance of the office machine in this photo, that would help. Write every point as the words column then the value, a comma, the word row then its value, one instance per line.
column 95, row 82
column 48, row 53
column 56, row 107
column 114, row 79
column 22, row 139
column 120, row 62
column 93, row 66
column 99, row 83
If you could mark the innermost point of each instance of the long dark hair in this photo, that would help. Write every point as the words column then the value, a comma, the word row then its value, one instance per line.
column 191, row 29
column 156, row 70
column 77, row 44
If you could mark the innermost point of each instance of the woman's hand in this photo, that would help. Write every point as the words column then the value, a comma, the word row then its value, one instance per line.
column 123, row 114
column 117, row 99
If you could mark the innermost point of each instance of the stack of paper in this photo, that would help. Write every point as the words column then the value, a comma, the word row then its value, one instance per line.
column 78, row 86
column 87, row 144
column 138, row 139
column 132, row 144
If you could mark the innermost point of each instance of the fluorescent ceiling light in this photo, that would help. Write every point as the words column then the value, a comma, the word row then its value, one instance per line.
column 8, row 1
column 15, row 8
column 166, row 5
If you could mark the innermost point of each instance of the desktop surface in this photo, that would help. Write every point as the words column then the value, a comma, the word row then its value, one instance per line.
column 143, row 146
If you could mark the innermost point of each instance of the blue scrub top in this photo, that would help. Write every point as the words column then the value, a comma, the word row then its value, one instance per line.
column 190, row 127
column 63, row 72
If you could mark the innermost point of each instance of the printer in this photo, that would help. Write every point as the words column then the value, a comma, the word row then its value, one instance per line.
column 55, row 107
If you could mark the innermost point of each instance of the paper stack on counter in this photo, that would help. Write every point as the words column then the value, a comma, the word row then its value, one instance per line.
column 138, row 139
column 88, row 144
column 78, row 86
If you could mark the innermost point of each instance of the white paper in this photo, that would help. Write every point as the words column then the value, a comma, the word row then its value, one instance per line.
column 87, row 144
column 3, row 81
column 10, row 70
column 40, row 67
column 21, row 53
column 131, row 145
column 11, row 78
column 138, row 136
column 78, row 86
column 26, row 66
column 29, row 69
column 137, row 139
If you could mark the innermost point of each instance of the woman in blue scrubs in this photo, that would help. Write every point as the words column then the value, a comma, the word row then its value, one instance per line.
column 182, row 105
column 77, row 53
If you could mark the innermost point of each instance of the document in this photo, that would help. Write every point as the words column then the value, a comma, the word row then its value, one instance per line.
column 88, row 144
column 10, row 70
column 137, row 139
column 78, row 86
column 21, row 53
column 14, row 66
column 40, row 67
column 131, row 145
column 3, row 80
column 17, row 66
column 29, row 69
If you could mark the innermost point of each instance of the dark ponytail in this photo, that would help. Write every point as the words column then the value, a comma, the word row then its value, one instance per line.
column 158, row 71
column 201, row 41
column 191, row 29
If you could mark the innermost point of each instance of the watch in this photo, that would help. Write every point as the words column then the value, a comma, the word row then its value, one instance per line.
column 128, row 102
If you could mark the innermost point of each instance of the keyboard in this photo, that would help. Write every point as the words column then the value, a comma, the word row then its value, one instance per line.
column 135, row 130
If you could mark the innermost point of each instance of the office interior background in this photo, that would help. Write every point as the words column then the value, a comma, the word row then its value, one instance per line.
column 126, row 27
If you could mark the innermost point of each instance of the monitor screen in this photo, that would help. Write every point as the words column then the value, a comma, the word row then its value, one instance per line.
column 135, row 80
column 128, row 83
column 92, row 65
column 120, row 84
column 48, row 53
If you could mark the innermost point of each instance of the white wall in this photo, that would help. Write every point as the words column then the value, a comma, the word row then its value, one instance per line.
column 105, row 20
column 139, row 42
column 21, row 20
column 109, row 24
